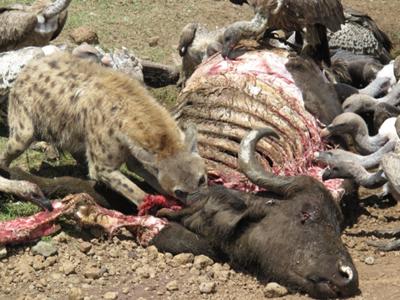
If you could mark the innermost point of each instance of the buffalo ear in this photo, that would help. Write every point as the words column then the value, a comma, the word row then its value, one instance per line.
column 191, row 137
column 234, row 214
column 233, row 221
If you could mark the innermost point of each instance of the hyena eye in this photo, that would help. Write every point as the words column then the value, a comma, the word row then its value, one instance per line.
column 202, row 180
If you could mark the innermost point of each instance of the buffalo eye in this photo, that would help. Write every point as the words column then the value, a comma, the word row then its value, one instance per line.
column 304, row 217
column 227, row 38
column 180, row 194
column 202, row 180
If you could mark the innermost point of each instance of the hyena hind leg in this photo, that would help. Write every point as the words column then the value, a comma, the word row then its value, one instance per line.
column 120, row 183
column 21, row 136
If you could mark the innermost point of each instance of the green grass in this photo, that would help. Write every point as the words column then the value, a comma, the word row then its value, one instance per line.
column 10, row 207
column 47, row 238
column 10, row 210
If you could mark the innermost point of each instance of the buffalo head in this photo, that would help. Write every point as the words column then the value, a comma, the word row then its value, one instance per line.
column 291, row 236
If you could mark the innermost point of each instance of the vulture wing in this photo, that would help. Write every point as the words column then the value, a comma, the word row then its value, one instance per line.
column 15, row 25
column 328, row 13
column 366, row 21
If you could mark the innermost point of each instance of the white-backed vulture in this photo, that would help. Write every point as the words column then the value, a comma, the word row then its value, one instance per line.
column 361, row 35
column 196, row 44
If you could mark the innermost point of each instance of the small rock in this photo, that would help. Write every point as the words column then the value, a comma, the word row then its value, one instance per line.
column 85, row 247
column 50, row 261
column 369, row 260
column 143, row 272
column 3, row 252
column 361, row 247
column 68, row 268
column 182, row 259
column 207, row 287
column 275, row 290
column 153, row 41
column 202, row 261
column 75, row 294
column 152, row 251
column 62, row 237
column 114, row 253
column 93, row 273
column 125, row 290
column 38, row 264
column 172, row 286
column 56, row 276
column 84, row 35
column 45, row 249
column 110, row 295
column 194, row 271
column 222, row 275
column 350, row 244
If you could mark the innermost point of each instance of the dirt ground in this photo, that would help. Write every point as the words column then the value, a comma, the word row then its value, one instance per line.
column 88, row 268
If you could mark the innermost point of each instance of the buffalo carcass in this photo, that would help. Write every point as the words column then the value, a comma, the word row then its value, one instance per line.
column 292, row 237
column 227, row 98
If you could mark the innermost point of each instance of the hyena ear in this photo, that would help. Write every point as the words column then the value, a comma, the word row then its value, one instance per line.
column 191, row 137
column 144, row 156
column 138, row 152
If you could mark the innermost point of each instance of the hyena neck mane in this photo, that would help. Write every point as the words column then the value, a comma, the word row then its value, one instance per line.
column 146, row 122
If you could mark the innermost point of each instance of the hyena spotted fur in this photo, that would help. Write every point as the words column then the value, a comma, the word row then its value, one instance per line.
column 92, row 111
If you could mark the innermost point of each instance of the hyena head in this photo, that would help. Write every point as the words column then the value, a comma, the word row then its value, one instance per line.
column 184, row 173
column 181, row 174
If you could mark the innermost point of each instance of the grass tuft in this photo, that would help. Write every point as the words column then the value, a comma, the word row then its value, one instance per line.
column 10, row 210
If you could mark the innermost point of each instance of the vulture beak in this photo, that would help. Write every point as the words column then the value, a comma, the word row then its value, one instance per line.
column 327, row 174
column 225, row 52
column 326, row 131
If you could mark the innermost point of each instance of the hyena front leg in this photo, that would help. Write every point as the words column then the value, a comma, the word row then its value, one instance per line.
column 21, row 136
column 119, row 183
column 105, row 156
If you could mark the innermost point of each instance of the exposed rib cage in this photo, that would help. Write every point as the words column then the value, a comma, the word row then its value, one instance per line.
column 226, row 99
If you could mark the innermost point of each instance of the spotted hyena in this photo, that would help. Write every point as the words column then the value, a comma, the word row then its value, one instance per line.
column 107, row 118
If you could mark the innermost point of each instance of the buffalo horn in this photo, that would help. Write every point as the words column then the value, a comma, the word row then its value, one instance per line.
column 253, row 169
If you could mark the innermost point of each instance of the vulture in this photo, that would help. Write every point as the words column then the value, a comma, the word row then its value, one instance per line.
column 361, row 35
column 196, row 44
column 34, row 25
column 310, row 19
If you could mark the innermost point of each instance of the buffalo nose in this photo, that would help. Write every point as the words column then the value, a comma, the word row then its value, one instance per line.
column 348, row 279
column 346, row 273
